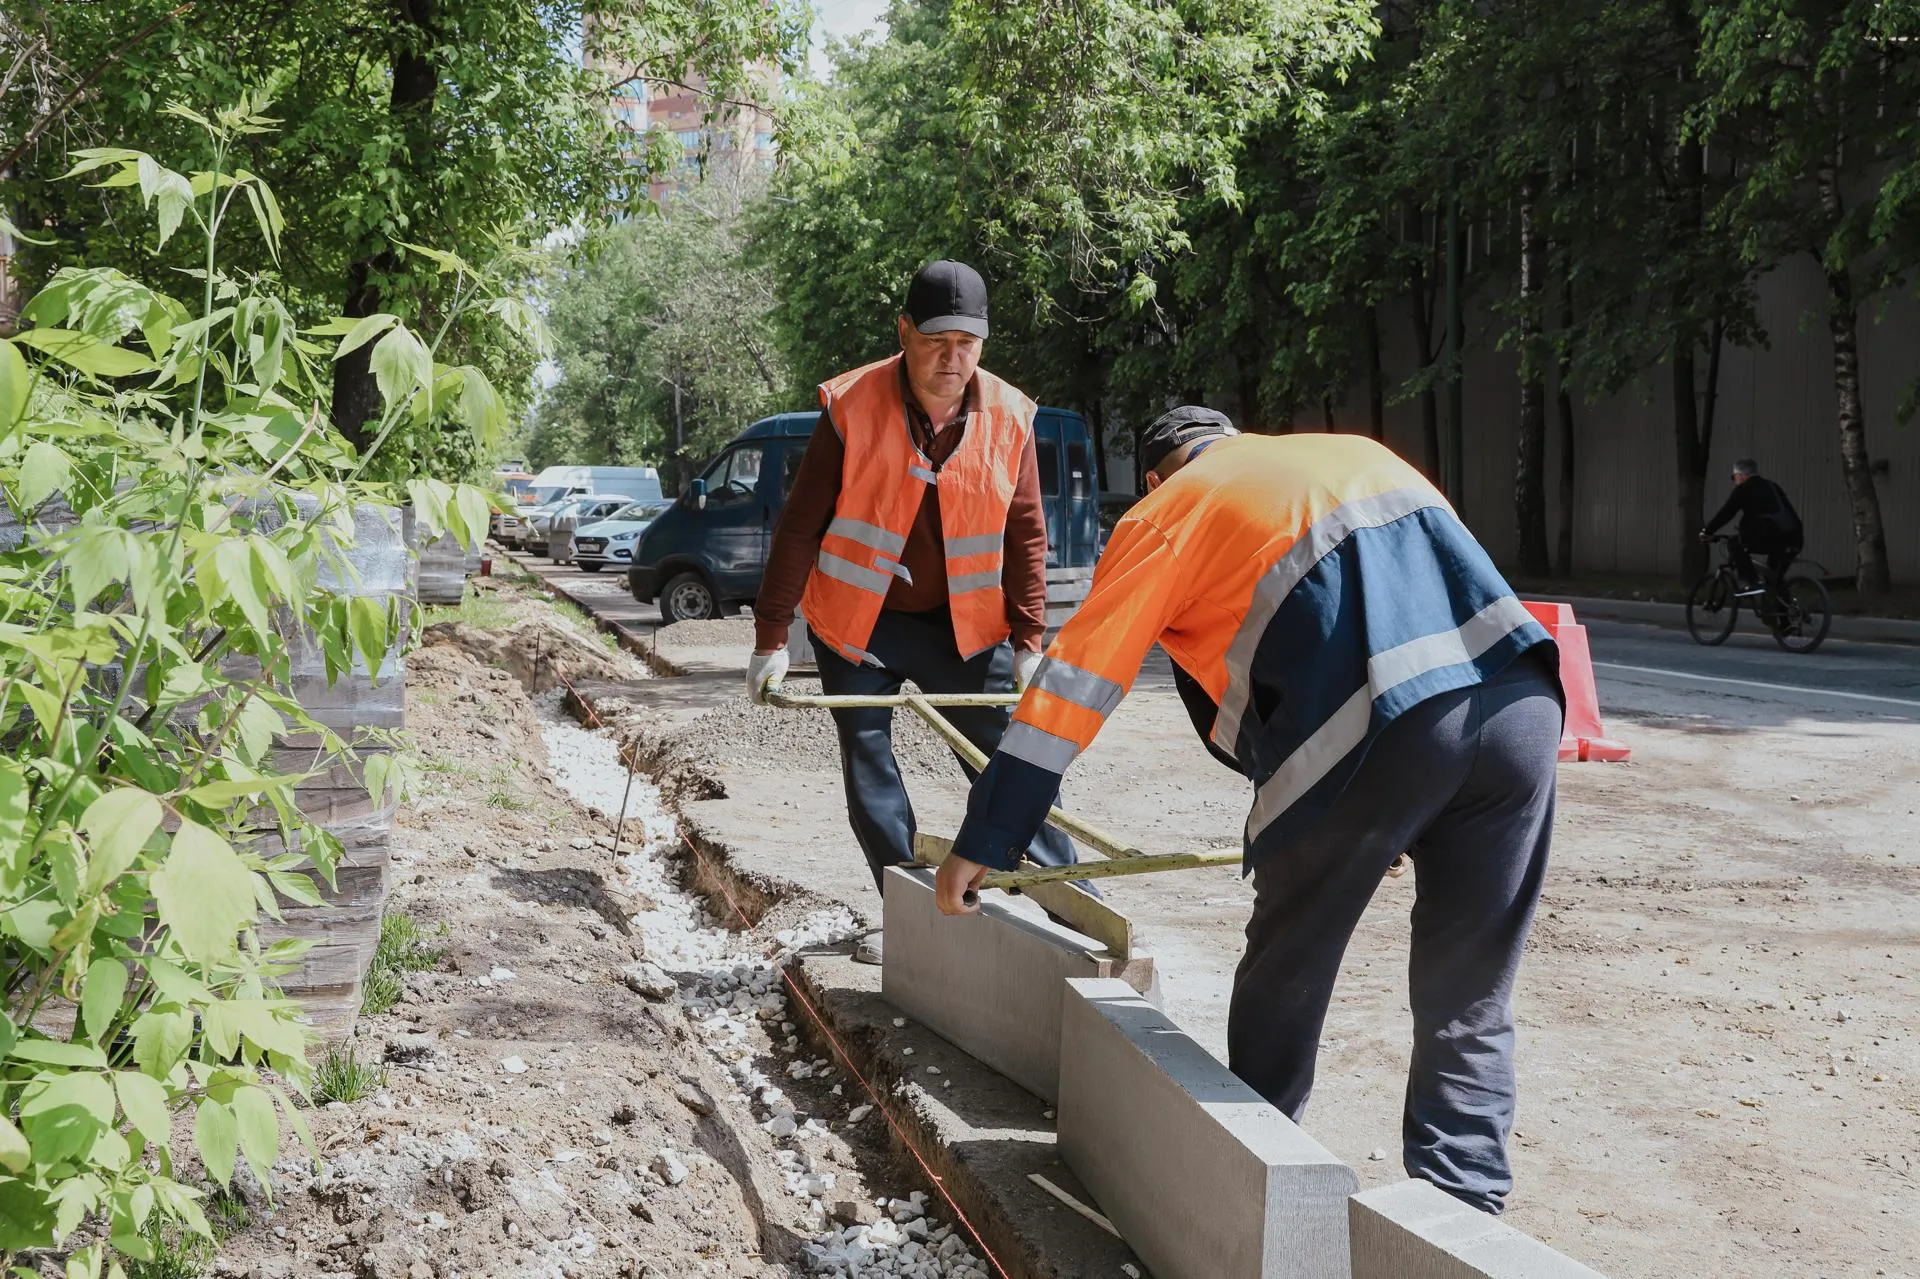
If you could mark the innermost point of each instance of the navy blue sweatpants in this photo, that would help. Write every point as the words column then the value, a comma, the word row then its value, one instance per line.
column 1464, row 782
column 917, row 647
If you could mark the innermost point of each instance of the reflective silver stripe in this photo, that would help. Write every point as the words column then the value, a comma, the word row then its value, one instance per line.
column 882, row 540
column 922, row 473
column 1323, row 536
column 1346, row 728
column 866, row 658
column 1038, row 747
column 894, row 567
column 1083, row 688
column 979, row 544
column 852, row 574
column 968, row 582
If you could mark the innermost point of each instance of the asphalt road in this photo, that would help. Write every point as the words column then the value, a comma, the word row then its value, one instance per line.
column 1881, row 679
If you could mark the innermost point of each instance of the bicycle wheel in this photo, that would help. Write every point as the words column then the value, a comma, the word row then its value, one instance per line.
column 1712, row 609
column 1808, row 615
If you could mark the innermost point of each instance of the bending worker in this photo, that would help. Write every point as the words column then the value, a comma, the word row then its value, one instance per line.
column 915, row 544
column 1341, row 639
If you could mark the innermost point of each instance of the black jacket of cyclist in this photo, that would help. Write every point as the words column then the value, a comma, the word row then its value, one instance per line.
column 1769, row 525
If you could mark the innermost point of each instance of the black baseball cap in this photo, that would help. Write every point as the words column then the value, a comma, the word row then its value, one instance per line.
column 1178, row 427
column 947, row 297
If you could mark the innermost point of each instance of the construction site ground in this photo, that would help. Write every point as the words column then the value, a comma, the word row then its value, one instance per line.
column 1721, row 1002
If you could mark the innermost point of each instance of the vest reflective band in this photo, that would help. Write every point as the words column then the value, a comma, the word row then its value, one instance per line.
column 882, row 484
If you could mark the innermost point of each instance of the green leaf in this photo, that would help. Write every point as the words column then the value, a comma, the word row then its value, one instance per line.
column 259, row 1129
column 14, row 796
column 360, row 333
column 217, row 1136
column 161, row 1039
column 233, row 568
column 144, row 1099
column 474, row 511
column 368, row 618
column 96, row 558
column 15, row 1154
column 86, row 353
column 15, row 380
column 55, row 1052
column 401, row 365
column 45, row 471
column 117, row 825
column 204, row 893
column 101, row 995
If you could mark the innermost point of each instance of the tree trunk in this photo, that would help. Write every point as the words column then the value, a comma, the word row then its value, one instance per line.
column 1530, row 458
column 1563, row 377
column 416, row 83
column 1691, row 447
column 1376, row 379
column 1872, row 575
column 1429, row 396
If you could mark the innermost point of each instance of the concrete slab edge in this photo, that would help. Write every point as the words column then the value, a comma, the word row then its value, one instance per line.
column 994, row 1205
column 1414, row 1230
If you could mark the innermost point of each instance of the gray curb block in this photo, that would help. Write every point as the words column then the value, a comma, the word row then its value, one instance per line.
column 1866, row 630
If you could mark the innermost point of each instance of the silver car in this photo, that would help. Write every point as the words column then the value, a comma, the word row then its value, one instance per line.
column 555, row 535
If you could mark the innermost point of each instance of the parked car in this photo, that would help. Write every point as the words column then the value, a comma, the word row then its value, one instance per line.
column 611, row 541
column 586, row 510
column 705, row 555
column 539, row 521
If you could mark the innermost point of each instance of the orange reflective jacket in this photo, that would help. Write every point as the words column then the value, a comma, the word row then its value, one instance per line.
column 882, row 484
column 1314, row 587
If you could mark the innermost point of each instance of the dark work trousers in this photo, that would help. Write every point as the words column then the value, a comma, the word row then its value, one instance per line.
column 917, row 647
column 1463, row 783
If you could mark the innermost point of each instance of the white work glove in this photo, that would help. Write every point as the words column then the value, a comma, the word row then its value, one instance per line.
column 764, row 670
column 1026, row 664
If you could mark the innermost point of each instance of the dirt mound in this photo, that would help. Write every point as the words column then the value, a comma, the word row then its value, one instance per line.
column 540, row 655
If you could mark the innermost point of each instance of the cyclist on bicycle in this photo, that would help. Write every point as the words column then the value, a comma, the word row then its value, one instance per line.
column 1769, row 525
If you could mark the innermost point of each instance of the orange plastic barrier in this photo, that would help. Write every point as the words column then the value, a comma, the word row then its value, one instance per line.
column 1584, row 737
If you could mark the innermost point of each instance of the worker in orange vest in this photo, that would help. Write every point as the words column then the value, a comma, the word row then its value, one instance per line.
column 1341, row 639
column 915, row 544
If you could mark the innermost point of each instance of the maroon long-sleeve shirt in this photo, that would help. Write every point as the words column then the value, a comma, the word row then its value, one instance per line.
column 810, row 508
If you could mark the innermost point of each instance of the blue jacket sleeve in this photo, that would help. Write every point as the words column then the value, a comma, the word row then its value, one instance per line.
column 1005, row 811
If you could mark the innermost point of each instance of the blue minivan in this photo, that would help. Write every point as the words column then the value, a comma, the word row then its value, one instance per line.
column 704, row 556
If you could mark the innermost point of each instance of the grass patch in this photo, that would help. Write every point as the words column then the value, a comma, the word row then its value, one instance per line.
column 179, row 1253
column 451, row 766
column 402, row 948
column 482, row 612
column 342, row 1076
column 584, row 621
column 507, row 801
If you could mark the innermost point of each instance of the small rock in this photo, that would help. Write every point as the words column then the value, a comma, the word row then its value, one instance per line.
column 692, row 1097
column 646, row 979
column 625, row 1113
column 898, row 1022
column 513, row 1065
column 1377, row 1154
column 580, row 843
column 854, row 1212
column 1130, row 1270
column 858, row 1113
column 667, row 1166
column 501, row 974
column 781, row 1126
column 419, row 1270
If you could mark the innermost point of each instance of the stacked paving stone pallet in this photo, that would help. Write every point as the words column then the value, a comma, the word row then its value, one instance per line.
column 1201, row 1176
column 345, row 927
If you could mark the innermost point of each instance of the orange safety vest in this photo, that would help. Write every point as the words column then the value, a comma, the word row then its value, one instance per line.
column 882, row 483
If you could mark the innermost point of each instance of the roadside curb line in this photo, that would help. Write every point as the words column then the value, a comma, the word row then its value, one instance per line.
column 625, row 638
column 1865, row 630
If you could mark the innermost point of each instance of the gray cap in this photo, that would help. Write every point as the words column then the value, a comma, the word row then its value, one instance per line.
column 1179, row 427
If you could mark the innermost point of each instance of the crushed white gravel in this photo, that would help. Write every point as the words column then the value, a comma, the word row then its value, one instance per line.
column 735, row 984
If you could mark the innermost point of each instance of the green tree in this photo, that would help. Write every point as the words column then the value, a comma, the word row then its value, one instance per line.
column 663, row 337
column 474, row 125
column 1806, row 85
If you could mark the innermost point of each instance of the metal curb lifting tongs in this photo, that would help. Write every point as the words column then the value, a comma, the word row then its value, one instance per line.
column 1122, row 859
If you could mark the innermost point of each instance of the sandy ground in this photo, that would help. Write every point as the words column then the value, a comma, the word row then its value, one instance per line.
column 1719, row 1007
column 595, row 1080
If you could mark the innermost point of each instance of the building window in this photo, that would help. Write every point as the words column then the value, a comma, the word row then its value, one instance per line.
column 763, row 141
column 690, row 138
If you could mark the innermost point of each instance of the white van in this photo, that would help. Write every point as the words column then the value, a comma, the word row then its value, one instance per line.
column 641, row 483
